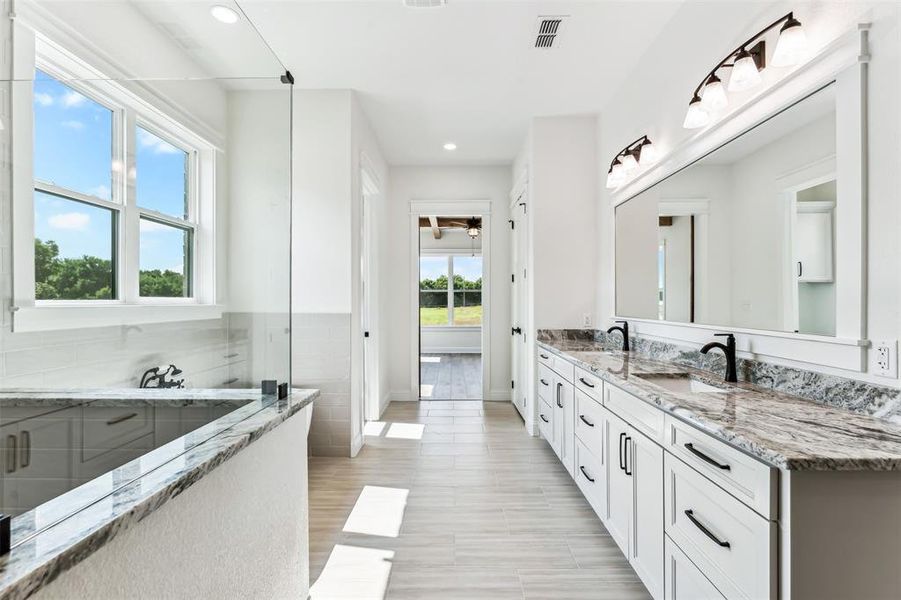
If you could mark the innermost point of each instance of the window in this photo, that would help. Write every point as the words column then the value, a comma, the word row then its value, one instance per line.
column 450, row 291
column 115, row 205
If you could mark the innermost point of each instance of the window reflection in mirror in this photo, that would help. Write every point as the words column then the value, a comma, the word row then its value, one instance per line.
column 744, row 237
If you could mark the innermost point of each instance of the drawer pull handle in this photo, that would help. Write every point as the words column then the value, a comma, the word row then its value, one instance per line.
column 559, row 389
column 544, row 356
column 587, row 422
column 543, row 418
column 25, row 449
column 691, row 517
column 585, row 473
column 11, row 453
column 122, row 419
column 543, row 382
column 622, row 467
column 582, row 379
column 626, row 456
column 690, row 447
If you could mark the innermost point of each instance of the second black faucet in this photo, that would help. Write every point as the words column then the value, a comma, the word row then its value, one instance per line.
column 624, row 330
column 729, row 350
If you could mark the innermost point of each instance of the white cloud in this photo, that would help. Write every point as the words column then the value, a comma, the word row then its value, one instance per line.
column 76, row 125
column 158, row 146
column 101, row 191
column 43, row 99
column 73, row 221
column 152, row 226
column 72, row 99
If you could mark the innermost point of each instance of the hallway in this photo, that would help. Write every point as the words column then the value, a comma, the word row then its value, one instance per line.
column 455, row 500
column 450, row 376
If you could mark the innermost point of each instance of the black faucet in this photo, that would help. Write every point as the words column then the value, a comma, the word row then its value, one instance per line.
column 624, row 330
column 729, row 350
column 161, row 378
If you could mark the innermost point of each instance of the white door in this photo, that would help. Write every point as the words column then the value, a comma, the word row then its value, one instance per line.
column 644, row 464
column 620, row 494
column 518, row 309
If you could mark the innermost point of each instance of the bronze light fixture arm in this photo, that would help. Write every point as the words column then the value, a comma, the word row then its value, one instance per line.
column 631, row 147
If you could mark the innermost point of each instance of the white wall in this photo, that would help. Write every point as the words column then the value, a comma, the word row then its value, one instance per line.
column 654, row 101
column 445, row 184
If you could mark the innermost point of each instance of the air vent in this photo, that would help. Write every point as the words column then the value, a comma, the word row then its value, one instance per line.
column 548, row 31
column 425, row 3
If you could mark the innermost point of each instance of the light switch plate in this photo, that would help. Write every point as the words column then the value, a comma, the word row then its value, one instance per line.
column 586, row 320
column 885, row 358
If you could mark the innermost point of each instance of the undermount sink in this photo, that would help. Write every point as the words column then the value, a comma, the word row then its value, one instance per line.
column 682, row 383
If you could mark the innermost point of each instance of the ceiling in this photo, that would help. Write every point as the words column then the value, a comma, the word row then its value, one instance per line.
column 467, row 73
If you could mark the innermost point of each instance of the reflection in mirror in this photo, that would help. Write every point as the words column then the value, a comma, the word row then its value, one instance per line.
column 744, row 237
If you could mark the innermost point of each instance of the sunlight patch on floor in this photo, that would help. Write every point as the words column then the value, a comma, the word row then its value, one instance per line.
column 354, row 573
column 374, row 428
column 378, row 511
column 430, row 359
column 406, row 431
column 425, row 390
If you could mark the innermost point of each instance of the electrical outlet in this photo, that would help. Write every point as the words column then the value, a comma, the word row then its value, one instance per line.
column 885, row 354
column 586, row 320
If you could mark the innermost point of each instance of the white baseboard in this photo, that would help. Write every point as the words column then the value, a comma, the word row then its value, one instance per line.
column 400, row 396
column 452, row 350
column 499, row 396
column 356, row 445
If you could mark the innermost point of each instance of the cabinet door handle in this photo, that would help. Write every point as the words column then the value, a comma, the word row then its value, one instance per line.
column 121, row 419
column 543, row 382
column 800, row 269
column 543, row 418
column 587, row 476
column 10, row 453
column 691, row 448
column 691, row 517
column 626, row 456
column 622, row 467
column 587, row 422
column 559, row 389
column 544, row 356
column 25, row 449
column 585, row 383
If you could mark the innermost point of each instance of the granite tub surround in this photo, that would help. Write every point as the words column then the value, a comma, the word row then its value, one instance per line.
column 51, row 539
column 783, row 430
column 117, row 397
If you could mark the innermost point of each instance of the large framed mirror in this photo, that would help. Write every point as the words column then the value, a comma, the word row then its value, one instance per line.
column 745, row 237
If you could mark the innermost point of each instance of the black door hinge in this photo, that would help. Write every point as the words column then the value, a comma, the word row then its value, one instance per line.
column 287, row 78
column 512, row 277
column 512, row 384
column 512, row 224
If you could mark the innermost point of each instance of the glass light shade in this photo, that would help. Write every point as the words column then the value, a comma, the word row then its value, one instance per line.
column 791, row 45
column 713, row 96
column 612, row 181
column 744, row 73
column 473, row 232
column 696, row 116
column 617, row 174
column 648, row 154
column 629, row 163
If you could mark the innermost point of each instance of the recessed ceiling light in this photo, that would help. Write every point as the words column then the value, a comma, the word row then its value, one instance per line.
column 224, row 14
column 450, row 146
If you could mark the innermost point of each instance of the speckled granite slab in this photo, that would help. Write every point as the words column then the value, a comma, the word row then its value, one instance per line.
column 781, row 429
column 112, row 397
column 51, row 539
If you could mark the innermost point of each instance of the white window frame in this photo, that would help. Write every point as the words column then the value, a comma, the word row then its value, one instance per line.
column 450, row 288
column 130, row 110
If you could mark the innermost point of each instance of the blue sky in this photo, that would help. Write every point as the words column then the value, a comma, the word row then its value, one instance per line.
column 73, row 150
column 431, row 267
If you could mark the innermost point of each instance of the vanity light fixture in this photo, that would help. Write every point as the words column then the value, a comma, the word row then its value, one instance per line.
column 224, row 14
column 473, row 227
column 450, row 146
column 746, row 62
column 639, row 153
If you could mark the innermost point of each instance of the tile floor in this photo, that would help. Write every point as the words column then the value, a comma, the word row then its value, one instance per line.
column 450, row 376
column 455, row 500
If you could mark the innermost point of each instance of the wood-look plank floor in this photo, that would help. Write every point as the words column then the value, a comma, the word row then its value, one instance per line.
column 455, row 500
column 450, row 376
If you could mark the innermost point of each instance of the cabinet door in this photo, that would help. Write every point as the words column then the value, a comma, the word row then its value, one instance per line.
column 684, row 581
column 565, row 422
column 644, row 463
column 619, row 505
column 813, row 246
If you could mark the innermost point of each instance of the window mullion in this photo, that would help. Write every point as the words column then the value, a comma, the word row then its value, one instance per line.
column 131, row 226
column 450, row 290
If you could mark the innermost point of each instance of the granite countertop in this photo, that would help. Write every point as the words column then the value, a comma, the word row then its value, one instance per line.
column 780, row 429
column 64, row 531
column 171, row 397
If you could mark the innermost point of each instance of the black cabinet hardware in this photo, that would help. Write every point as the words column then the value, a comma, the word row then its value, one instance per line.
column 800, row 269
column 622, row 467
column 582, row 379
column 587, row 476
column 587, row 422
column 25, row 449
column 543, row 418
column 544, row 356
column 516, row 331
column 691, row 517
column 10, row 453
column 690, row 447
column 543, row 382
column 122, row 418
column 626, row 455
column 559, row 389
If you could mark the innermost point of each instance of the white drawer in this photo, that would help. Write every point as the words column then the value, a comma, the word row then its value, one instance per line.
column 543, row 386
column 637, row 413
column 107, row 428
column 734, row 547
column 545, row 357
column 546, row 422
column 559, row 364
column 589, row 383
column 590, row 476
column 746, row 478
column 683, row 580
column 590, row 424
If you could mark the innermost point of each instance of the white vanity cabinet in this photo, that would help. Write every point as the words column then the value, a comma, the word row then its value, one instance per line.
column 556, row 408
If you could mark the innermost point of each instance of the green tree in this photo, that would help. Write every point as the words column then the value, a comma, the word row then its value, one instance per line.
column 162, row 284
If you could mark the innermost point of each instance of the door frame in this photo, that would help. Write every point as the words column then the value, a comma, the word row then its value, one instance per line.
column 469, row 208
column 370, row 190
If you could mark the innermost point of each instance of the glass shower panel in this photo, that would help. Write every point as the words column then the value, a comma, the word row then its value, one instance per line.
column 144, row 246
